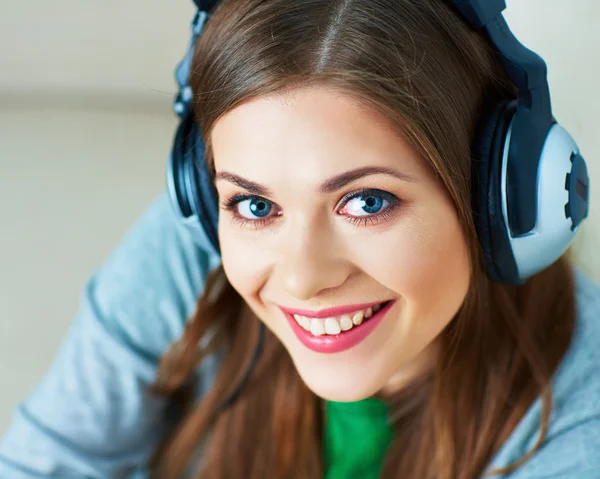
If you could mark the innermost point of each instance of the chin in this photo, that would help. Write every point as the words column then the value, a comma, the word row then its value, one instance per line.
column 339, row 386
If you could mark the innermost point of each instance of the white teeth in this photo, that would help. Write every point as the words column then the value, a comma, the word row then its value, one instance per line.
column 303, row 321
column 332, row 326
column 357, row 318
column 346, row 322
column 316, row 327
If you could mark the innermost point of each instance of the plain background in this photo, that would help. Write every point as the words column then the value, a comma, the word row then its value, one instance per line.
column 86, row 127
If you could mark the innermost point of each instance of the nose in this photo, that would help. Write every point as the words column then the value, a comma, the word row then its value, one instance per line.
column 311, row 261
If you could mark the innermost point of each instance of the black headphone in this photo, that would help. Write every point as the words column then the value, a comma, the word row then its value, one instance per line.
column 530, row 183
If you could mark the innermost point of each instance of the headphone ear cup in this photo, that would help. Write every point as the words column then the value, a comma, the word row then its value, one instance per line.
column 488, row 153
column 204, row 195
column 190, row 184
column 176, row 174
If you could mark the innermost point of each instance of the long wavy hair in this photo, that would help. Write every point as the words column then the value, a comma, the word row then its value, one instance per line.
column 421, row 66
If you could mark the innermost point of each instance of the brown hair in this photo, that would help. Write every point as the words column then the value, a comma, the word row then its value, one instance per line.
column 417, row 63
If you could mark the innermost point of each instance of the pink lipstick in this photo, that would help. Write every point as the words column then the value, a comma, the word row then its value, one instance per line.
column 327, row 343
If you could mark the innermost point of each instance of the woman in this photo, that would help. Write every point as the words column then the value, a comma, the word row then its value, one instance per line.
column 352, row 329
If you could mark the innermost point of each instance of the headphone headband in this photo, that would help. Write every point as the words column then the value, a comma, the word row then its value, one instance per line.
column 478, row 13
column 533, row 117
column 206, row 5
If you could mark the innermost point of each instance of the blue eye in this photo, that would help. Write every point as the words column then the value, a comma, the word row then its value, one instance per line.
column 364, row 203
column 252, row 208
column 370, row 206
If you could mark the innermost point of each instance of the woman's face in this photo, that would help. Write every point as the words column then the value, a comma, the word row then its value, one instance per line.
column 326, row 211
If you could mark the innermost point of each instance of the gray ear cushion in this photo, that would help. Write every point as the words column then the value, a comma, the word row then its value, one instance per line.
column 488, row 149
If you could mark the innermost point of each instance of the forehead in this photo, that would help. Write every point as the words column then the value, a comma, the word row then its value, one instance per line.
column 305, row 134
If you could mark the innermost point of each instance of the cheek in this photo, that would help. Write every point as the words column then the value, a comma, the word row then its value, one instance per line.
column 424, row 259
column 243, row 263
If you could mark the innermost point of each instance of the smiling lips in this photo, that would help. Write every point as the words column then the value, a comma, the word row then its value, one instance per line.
column 336, row 329
column 336, row 324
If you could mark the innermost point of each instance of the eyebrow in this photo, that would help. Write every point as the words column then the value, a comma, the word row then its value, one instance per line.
column 331, row 185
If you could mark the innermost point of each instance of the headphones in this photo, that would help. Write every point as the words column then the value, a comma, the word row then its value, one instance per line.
column 530, row 182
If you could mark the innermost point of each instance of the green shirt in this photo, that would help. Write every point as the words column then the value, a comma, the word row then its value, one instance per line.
column 356, row 437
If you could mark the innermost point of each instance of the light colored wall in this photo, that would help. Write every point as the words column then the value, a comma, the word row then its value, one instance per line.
column 85, row 127
column 111, row 46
